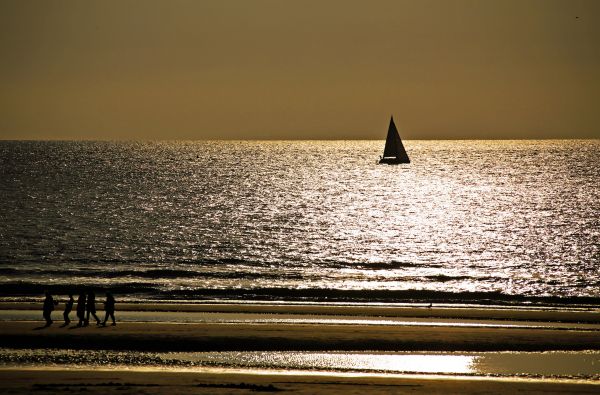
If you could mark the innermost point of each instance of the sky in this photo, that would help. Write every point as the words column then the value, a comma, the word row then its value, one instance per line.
column 299, row 69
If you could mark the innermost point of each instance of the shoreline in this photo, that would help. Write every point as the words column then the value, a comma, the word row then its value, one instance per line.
column 146, row 291
column 522, row 313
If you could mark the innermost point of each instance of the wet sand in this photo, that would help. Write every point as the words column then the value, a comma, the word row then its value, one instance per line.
column 217, row 336
column 208, row 382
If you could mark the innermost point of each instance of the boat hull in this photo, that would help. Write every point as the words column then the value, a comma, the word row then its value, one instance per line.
column 392, row 161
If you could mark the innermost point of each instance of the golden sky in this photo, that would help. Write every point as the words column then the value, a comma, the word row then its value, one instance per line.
column 299, row 69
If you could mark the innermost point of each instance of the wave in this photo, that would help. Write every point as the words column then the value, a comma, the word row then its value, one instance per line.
column 25, row 288
column 62, row 260
column 259, row 277
column 171, row 274
column 388, row 265
column 389, row 296
column 234, row 273
column 153, row 274
column 151, row 292
column 208, row 262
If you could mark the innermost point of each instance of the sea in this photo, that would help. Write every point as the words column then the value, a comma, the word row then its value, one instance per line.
column 469, row 221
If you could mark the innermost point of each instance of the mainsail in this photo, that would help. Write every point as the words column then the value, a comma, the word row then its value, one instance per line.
column 394, row 151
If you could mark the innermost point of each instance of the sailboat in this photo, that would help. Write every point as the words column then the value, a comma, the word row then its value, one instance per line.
column 394, row 151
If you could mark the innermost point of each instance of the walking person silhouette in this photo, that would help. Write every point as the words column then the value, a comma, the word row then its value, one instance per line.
column 68, row 308
column 49, row 304
column 81, row 309
column 91, row 308
column 109, row 308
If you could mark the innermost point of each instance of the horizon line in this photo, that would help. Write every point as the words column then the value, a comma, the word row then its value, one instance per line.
column 283, row 139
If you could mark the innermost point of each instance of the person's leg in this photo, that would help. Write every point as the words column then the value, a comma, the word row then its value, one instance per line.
column 47, row 318
column 66, row 317
column 112, row 315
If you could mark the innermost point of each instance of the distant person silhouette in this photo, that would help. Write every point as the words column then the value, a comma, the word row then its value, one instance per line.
column 68, row 308
column 91, row 308
column 81, row 309
column 49, row 304
column 109, row 308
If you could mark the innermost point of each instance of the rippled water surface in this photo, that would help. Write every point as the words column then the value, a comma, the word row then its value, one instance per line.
column 301, row 219
column 563, row 364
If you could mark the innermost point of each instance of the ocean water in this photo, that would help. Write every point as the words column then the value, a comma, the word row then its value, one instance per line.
column 466, row 221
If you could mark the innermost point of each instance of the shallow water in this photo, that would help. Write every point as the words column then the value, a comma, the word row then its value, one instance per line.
column 582, row 365
column 558, row 364
column 465, row 221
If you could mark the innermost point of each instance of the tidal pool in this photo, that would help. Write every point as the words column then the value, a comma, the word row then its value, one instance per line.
column 559, row 364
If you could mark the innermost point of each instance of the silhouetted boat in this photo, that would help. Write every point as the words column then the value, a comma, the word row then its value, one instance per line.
column 394, row 151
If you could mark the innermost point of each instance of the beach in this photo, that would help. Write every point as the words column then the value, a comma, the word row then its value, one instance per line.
column 238, row 332
column 314, row 328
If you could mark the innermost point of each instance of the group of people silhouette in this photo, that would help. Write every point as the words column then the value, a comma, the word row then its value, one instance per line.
column 85, row 307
